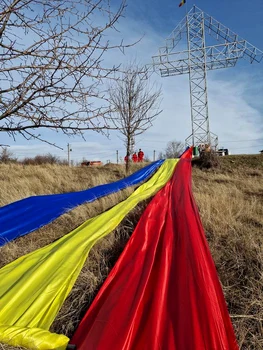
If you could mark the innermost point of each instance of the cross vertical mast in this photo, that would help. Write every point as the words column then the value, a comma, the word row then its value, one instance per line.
column 198, row 80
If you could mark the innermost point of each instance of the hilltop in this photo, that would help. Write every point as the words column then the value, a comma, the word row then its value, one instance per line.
column 230, row 201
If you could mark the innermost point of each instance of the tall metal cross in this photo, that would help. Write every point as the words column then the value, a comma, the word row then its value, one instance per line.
column 197, row 60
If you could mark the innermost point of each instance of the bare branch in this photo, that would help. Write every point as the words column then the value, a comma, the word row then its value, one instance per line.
column 136, row 104
column 52, row 72
column 173, row 150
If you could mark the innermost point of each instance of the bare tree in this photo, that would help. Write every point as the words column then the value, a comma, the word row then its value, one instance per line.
column 51, row 66
column 173, row 150
column 7, row 156
column 136, row 104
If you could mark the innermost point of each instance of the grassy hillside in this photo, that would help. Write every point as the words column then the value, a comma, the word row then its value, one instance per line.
column 230, row 200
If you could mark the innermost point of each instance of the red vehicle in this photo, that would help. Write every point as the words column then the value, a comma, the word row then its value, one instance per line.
column 91, row 163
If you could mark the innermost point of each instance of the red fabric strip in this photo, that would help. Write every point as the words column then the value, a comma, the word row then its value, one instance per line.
column 163, row 292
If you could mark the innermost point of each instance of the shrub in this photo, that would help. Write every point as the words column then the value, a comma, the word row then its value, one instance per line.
column 7, row 156
column 44, row 159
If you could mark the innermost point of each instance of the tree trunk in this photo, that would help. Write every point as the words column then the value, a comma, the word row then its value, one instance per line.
column 128, row 154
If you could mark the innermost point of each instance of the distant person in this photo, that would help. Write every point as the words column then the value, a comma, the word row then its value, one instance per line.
column 140, row 155
column 134, row 157
column 126, row 159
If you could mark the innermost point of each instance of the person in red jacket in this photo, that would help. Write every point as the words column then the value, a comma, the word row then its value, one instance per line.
column 140, row 155
column 126, row 159
column 134, row 157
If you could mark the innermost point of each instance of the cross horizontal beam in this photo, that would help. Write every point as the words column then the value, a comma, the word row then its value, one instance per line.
column 221, row 32
column 217, row 56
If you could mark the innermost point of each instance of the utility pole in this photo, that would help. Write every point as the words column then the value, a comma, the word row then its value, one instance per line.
column 117, row 155
column 154, row 155
column 69, row 150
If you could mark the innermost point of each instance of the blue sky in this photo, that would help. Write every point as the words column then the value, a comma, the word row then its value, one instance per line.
column 242, row 16
column 234, row 94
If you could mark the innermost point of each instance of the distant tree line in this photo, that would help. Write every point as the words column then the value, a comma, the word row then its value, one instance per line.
column 7, row 156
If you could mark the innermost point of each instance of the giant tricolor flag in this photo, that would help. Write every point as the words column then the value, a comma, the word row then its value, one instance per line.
column 163, row 292
column 182, row 3
column 34, row 287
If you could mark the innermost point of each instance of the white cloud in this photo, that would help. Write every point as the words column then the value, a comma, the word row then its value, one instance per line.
column 236, row 113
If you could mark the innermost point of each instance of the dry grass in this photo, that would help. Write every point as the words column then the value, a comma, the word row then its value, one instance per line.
column 230, row 200
column 18, row 181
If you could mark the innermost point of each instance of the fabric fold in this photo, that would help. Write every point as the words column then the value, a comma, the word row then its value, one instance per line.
column 163, row 292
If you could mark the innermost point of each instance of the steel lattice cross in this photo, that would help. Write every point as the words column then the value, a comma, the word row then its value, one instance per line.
column 197, row 60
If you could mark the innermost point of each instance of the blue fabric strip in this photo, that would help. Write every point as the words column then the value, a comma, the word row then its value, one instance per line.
column 26, row 215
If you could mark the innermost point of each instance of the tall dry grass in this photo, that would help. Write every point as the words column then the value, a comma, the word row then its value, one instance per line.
column 47, row 179
column 230, row 201
column 19, row 181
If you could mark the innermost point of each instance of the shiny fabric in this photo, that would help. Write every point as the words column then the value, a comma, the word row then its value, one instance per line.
column 164, row 292
column 33, row 287
column 38, row 211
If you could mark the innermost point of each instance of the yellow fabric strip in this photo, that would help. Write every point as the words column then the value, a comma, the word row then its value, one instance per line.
column 32, row 338
column 33, row 287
